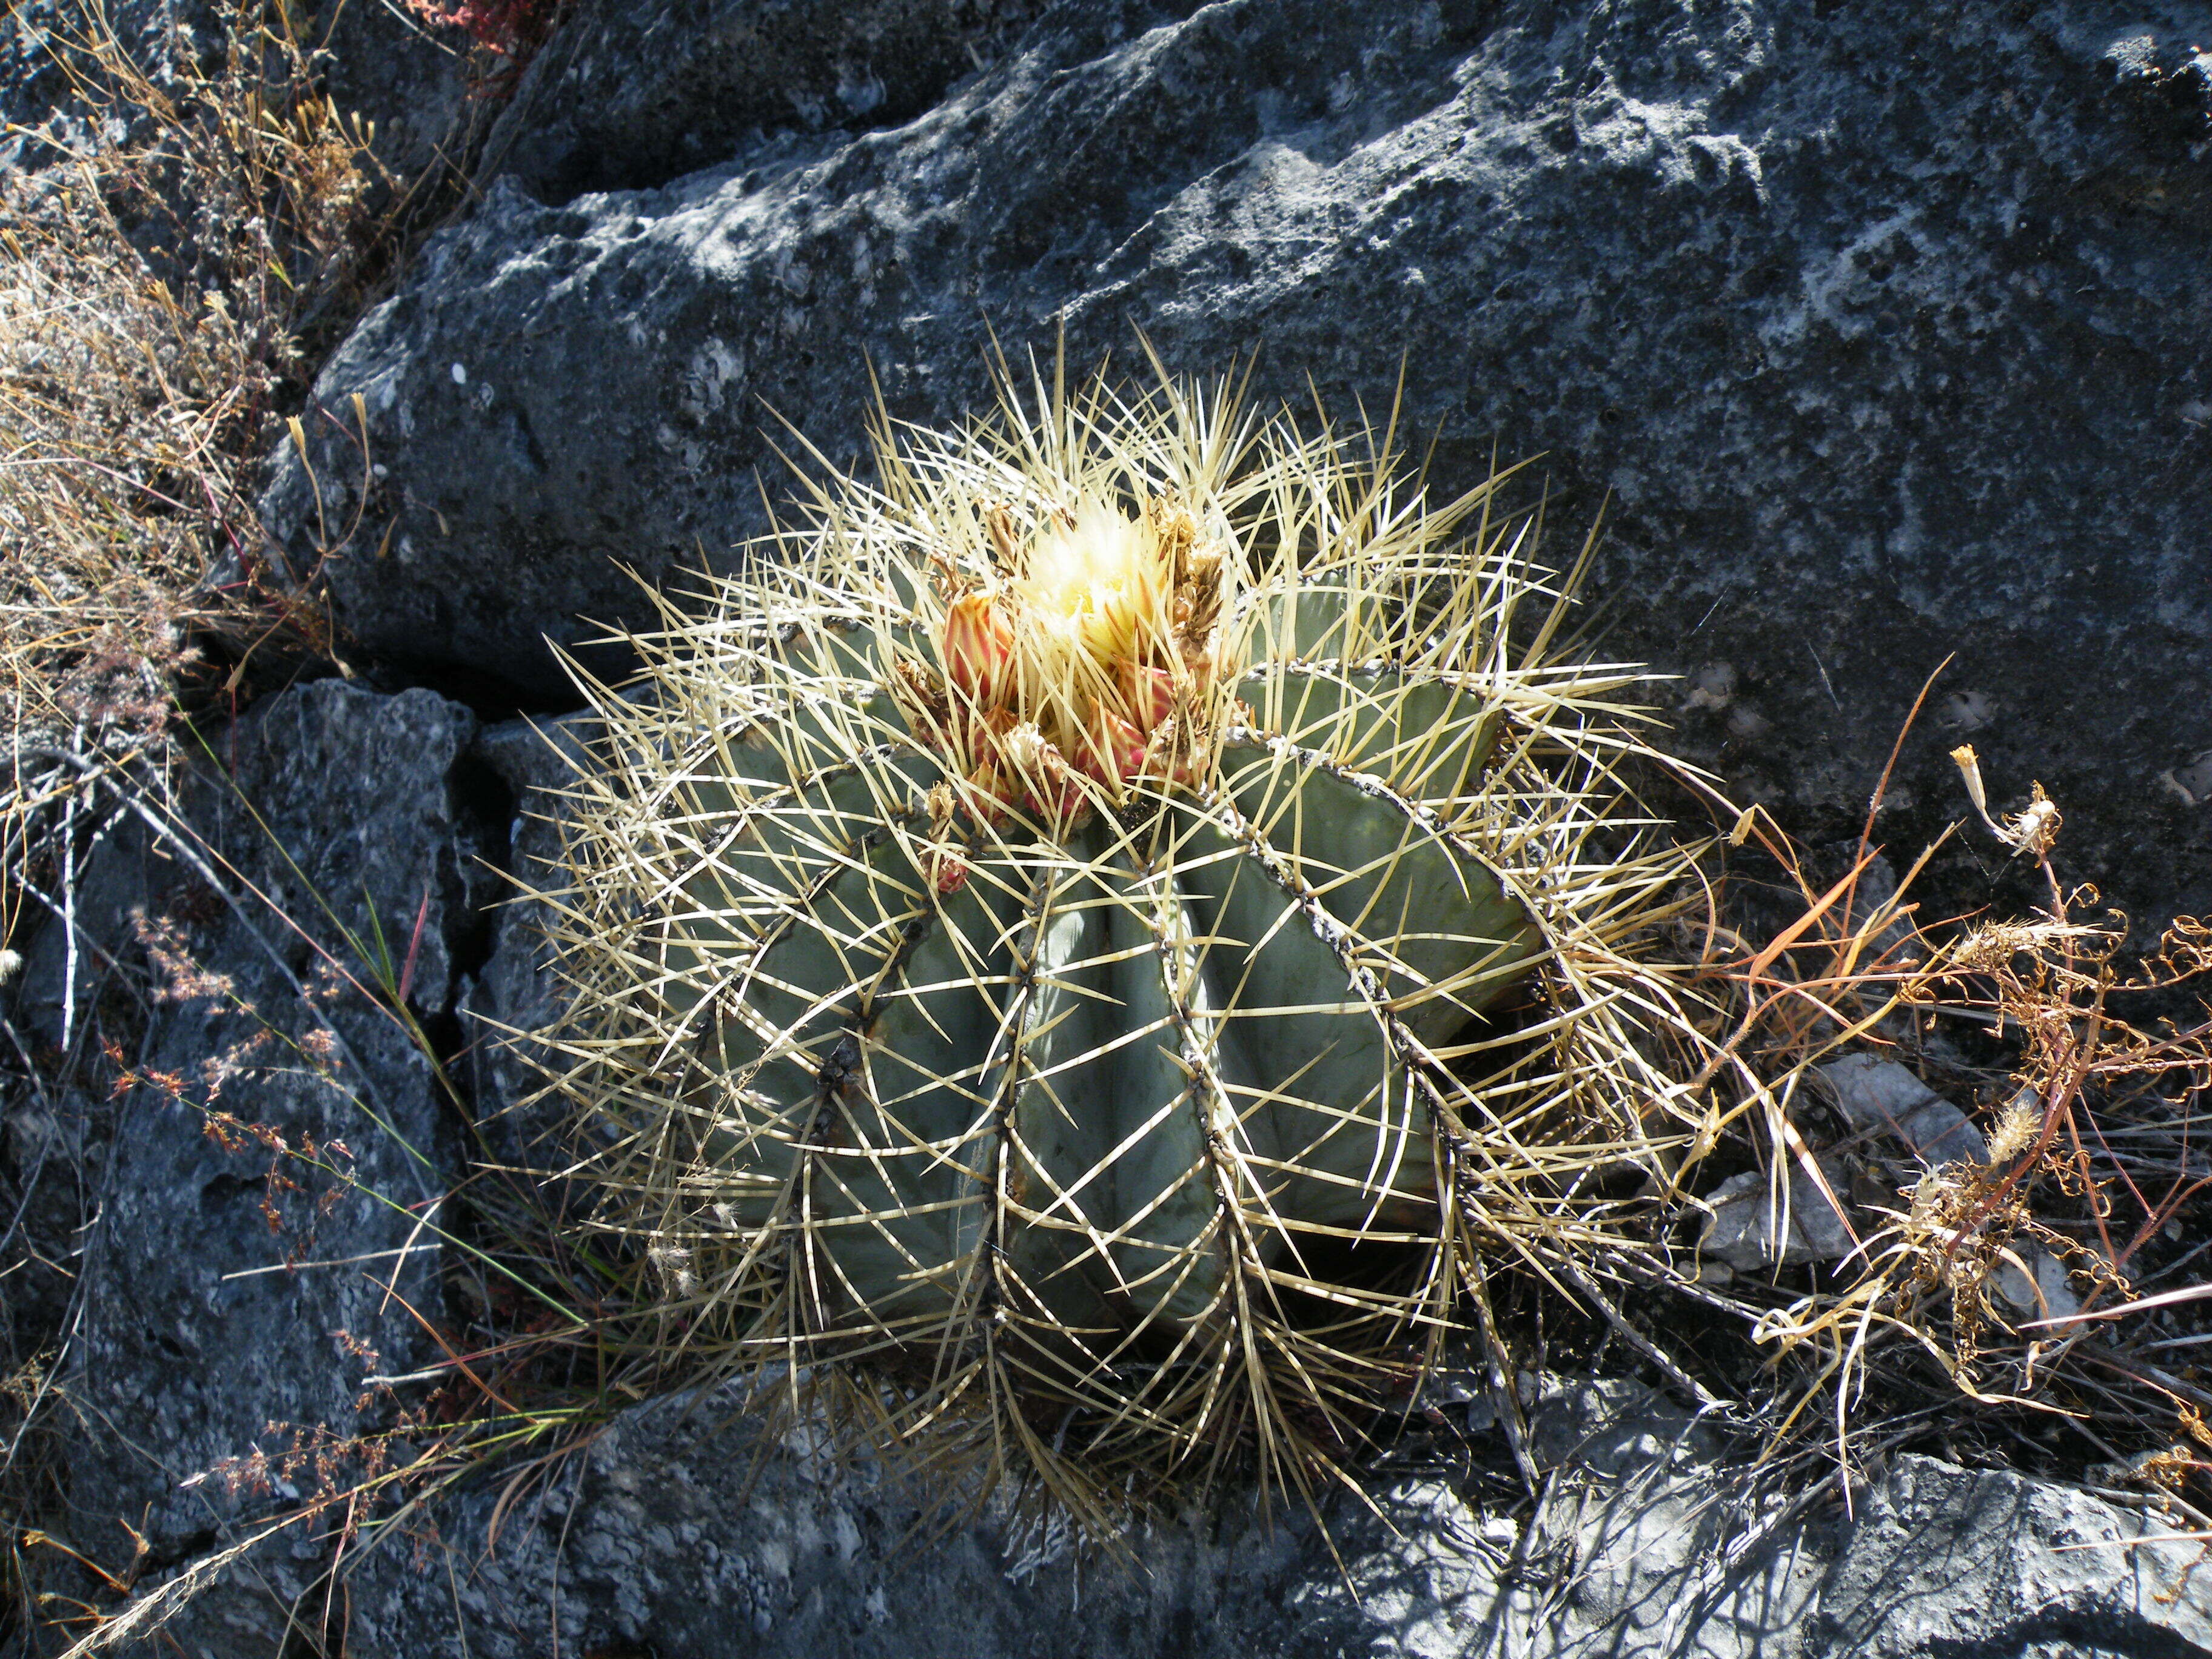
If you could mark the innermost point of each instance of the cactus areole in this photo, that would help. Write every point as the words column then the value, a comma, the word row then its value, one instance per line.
column 1098, row 928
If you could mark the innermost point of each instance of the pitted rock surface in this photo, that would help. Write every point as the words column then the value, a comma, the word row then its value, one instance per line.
column 671, row 1534
column 221, row 1274
column 628, row 95
column 1883, row 332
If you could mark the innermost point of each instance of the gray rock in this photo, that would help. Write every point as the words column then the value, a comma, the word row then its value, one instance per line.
column 1883, row 329
column 1670, row 1544
column 627, row 95
column 2048, row 1295
column 1960, row 1562
column 53, row 995
column 671, row 1530
column 234, row 1295
column 1881, row 1096
column 674, row 1531
column 1752, row 1227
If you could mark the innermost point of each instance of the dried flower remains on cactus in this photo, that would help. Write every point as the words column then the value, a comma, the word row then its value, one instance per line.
column 1082, row 957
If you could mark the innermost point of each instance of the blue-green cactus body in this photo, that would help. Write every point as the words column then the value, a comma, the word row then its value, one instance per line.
column 1122, row 1061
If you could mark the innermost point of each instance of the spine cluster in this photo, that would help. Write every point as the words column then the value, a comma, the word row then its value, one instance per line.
column 1088, row 652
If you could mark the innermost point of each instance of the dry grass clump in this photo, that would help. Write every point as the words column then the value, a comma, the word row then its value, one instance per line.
column 2043, row 1282
column 153, row 301
column 154, row 293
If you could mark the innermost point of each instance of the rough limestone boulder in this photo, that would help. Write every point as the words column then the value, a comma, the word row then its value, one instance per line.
column 668, row 1536
column 236, row 1293
column 1883, row 330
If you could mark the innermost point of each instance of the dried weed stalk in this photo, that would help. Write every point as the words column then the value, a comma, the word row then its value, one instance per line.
column 2026, row 1282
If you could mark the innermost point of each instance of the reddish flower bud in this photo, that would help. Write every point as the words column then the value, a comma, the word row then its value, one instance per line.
column 988, row 794
column 979, row 650
column 1169, row 756
column 1113, row 750
column 1150, row 692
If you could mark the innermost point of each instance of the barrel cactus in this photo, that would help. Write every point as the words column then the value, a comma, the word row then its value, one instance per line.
column 1087, row 948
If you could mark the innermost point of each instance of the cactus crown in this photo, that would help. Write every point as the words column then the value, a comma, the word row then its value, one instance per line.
column 1085, row 955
